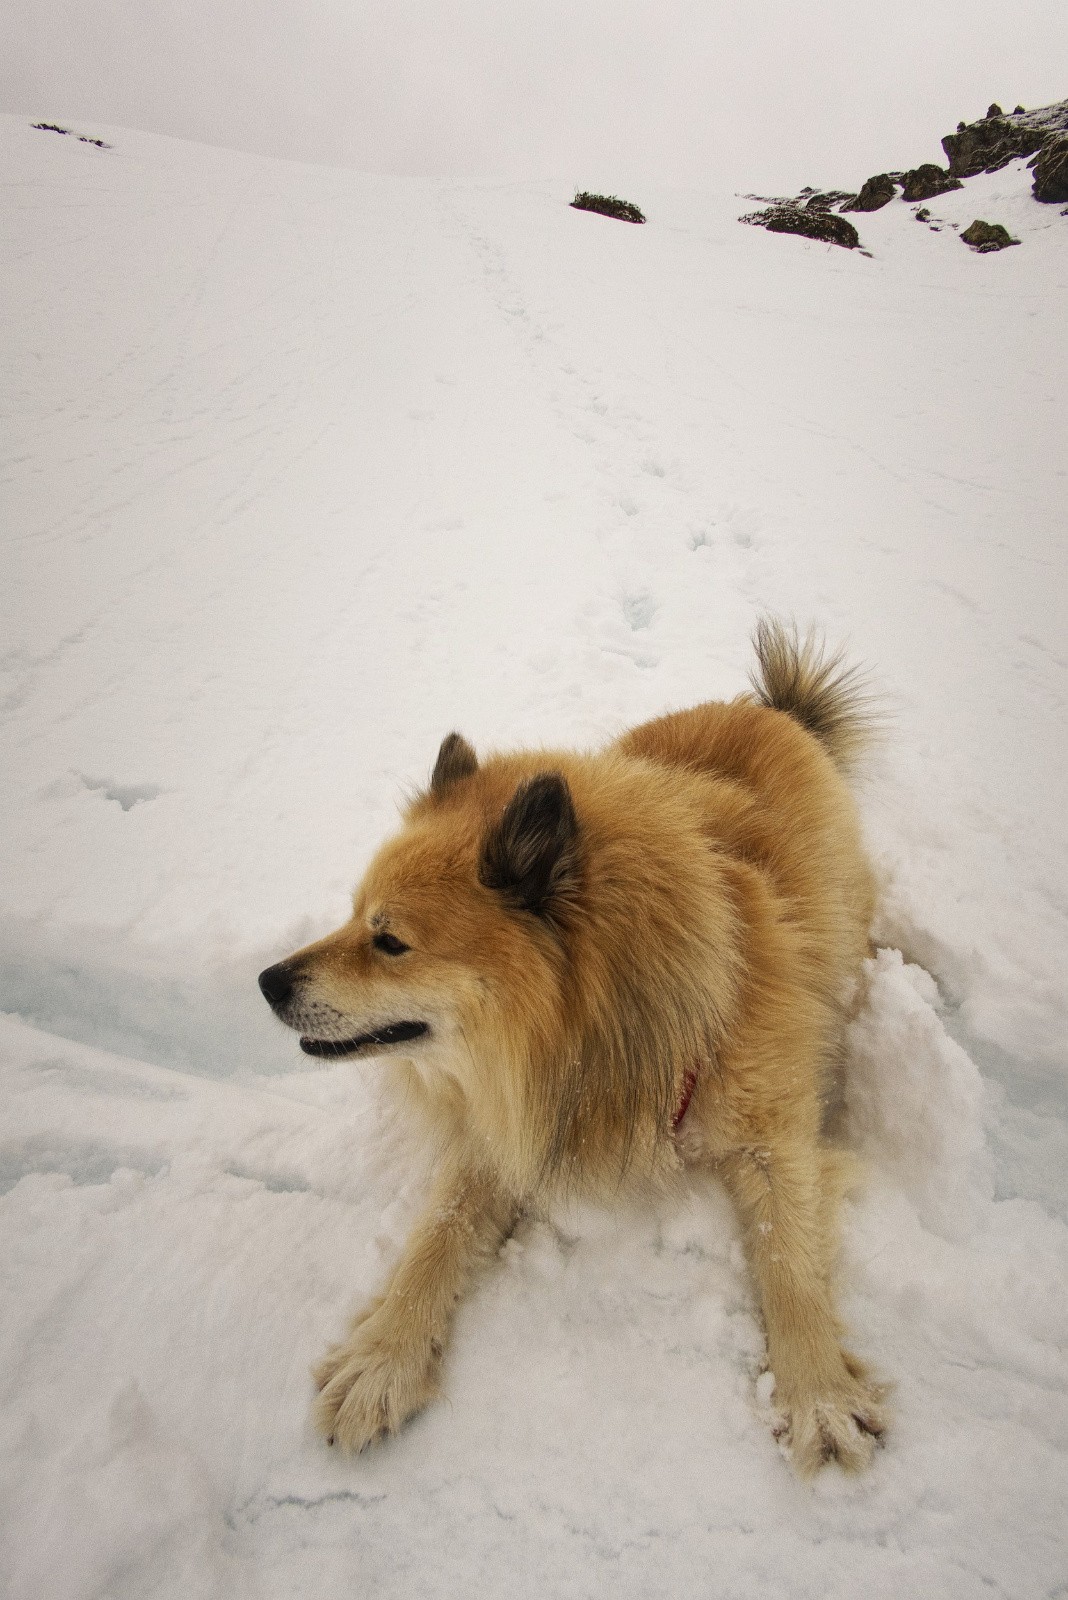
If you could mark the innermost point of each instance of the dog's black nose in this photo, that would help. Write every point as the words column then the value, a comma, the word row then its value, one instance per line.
column 276, row 984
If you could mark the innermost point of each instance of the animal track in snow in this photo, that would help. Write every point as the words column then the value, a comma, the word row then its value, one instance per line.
column 639, row 609
column 127, row 795
column 275, row 1182
column 83, row 1163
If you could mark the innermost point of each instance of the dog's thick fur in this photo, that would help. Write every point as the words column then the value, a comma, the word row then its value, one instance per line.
column 554, row 951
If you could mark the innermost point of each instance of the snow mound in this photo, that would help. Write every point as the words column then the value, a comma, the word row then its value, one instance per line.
column 915, row 1099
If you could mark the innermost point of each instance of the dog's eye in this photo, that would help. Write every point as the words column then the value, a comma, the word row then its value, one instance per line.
column 389, row 944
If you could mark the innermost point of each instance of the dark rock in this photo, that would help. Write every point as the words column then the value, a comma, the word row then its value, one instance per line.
column 990, row 144
column 987, row 146
column 793, row 218
column 1020, row 112
column 1051, row 171
column 875, row 193
column 924, row 182
column 827, row 200
column 923, row 215
column 994, row 110
column 986, row 236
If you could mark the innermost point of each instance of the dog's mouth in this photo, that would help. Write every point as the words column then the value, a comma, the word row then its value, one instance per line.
column 394, row 1033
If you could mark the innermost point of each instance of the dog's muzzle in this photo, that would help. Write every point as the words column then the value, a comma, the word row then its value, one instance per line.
column 279, row 985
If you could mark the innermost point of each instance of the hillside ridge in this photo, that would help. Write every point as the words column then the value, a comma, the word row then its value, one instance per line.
column 986, row 145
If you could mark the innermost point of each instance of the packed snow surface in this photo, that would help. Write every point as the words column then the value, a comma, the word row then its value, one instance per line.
column 300, row 470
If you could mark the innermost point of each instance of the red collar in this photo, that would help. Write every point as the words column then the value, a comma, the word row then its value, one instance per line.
column 689, row 1083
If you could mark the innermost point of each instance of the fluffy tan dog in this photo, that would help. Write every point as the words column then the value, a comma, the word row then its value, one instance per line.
column 591, row 969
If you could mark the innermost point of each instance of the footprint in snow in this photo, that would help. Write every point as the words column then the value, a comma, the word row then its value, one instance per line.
column 126, row 795
column 639, row 609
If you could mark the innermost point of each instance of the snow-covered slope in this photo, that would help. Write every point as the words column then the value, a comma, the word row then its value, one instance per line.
column 301, row 469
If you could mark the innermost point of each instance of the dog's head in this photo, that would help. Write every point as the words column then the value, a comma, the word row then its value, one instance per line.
column 455, row 921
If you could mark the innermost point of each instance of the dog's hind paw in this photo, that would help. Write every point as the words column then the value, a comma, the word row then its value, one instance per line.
column 371, row 1385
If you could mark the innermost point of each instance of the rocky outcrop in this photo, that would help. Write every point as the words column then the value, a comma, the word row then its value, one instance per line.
column 987, row 236
column 989, row 145
column 821, row 199
column 925, row 181
column 1051, row 171
column 982, row 146
column 996, row 139
column 874, row 193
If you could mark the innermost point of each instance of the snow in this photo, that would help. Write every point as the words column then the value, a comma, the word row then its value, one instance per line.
column 303, row 468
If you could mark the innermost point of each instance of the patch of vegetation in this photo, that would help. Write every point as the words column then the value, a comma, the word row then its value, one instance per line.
column 82, row 138
column 608, row 205
column 827, row 226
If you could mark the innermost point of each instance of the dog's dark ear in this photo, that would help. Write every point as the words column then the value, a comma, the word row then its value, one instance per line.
column 456, row 760
column 531, row 854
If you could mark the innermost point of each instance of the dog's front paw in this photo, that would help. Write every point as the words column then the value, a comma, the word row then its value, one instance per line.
column 842, row 1423
column 337, row 1355
column 372, row 1384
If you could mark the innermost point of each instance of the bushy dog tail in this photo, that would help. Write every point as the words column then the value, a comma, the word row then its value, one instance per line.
column 817, row 689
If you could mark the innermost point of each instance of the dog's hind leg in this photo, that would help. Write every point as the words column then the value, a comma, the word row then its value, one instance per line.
column 785, row 1197
column 389, row 1366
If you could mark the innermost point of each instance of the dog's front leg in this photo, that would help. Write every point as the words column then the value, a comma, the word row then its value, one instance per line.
column 388, row 1367
column 786, row 1200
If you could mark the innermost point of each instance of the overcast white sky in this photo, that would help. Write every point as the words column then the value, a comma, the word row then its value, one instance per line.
column 602, row 93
